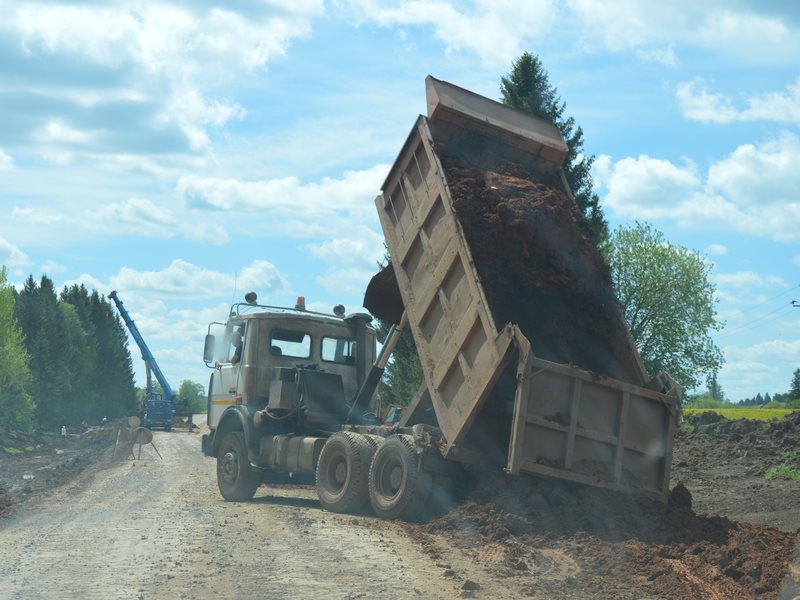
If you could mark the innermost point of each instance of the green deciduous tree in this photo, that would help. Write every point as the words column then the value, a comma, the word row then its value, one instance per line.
column 17, row 409
column 527, row 87
column 403, row 375
column 668, row 301
column 195, row 394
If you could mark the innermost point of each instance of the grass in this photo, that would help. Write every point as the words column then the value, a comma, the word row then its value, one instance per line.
column 12, row 451
column 782, row 472
column 791, row 454
column 749, row 413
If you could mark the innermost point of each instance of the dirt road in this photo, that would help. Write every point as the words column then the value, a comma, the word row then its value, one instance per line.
column 155, row 528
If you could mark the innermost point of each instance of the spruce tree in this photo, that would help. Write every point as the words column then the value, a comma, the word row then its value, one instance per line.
column 42, row 324
column 527, row 87
column 114, row 377
column 794, row 389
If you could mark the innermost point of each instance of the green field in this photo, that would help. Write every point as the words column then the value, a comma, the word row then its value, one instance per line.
column 753, row 414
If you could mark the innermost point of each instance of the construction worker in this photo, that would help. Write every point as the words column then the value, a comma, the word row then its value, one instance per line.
column 236, row 341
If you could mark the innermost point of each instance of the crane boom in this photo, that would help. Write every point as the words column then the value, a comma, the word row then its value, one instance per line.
column 147, row 356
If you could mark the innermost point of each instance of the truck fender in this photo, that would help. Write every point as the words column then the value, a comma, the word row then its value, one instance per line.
column 235, row 418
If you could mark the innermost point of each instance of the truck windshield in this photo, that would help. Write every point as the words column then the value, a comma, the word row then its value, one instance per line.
column 285, row 342
column 338, row 350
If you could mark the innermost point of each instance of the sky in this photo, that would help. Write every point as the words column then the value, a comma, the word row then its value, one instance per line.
column 186, row 152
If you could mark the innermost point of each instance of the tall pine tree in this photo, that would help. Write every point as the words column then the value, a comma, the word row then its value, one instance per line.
column 42, row 323
column 527, row 87
column 114, row 381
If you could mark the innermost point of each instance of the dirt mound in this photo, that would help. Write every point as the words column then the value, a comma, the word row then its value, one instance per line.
column 33, row 463
column 760, row 444
column 741, row 468
column 538, row 264
column 668, row 548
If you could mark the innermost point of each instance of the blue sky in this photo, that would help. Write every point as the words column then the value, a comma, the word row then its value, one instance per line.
column 186, row 152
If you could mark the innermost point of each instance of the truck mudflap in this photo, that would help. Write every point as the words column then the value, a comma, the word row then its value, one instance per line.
column 206, row 446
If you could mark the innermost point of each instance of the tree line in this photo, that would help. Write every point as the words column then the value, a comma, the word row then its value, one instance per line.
column 791, row 398
column 63, row 357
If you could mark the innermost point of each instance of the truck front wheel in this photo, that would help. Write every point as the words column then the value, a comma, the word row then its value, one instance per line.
column 236, row 479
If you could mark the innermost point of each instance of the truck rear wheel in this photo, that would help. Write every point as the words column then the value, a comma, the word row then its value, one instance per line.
column 343, row 472
column 397, row 486
column 236, row 479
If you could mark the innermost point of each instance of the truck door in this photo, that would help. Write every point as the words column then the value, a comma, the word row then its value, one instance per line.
column 224, row 387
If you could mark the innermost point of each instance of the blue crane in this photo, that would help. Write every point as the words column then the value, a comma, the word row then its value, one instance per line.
column 156, row 411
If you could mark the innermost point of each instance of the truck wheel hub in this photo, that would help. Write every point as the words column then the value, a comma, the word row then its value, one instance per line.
column 340, row 473
column 396, row 477
column 230, row 465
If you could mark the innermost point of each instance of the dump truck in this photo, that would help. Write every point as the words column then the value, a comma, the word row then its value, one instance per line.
column 528, row 364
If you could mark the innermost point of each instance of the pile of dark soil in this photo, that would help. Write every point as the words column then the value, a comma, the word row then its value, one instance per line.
column 538, row 263
column 745, row 440
column 667, row 548
column 742, row 469
column 33, row 463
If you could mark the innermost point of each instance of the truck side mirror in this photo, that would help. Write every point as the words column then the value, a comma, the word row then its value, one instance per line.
column 208, row 349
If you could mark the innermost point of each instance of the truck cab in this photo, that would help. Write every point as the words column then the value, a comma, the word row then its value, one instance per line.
column 157, row 412
column 297, row 376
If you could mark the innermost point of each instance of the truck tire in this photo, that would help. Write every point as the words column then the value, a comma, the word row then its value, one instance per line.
column 397, row 486
column 236, row 479
column 343, row 472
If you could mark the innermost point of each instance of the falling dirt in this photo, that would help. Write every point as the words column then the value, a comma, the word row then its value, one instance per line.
column 538, row 264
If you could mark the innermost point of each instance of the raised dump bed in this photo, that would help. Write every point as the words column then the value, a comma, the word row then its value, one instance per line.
column 524, row 349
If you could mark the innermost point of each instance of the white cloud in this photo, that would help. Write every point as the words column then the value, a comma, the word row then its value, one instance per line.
column 504, row 26
column 182, row 279
column 139, row 215
column 666, row 57
column 749, row 280
column 363, row 246
column 796, row 259
column 751, row 191
column 770, row 350
column 166, row 65
column 717, row 249
column 758, row 175
column 52, row 267
column 744, row 377
column 11, row 256
column 715, row 25
column 648, row 188
column 6, row 162
column 352, row 193
column 697, row 103
column 348, row 281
